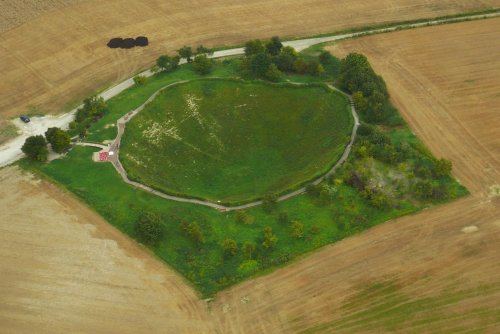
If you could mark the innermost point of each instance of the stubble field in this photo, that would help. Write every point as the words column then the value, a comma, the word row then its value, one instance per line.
column 422, row 273
column 59, row 57
column 425, row 273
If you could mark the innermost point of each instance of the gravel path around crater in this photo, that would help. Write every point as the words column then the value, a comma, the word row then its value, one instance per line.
column 115, row 159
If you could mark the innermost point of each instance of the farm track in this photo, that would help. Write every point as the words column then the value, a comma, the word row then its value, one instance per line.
column 11, row 151
column 65, row 270
column 60, row 57
column 115, row 159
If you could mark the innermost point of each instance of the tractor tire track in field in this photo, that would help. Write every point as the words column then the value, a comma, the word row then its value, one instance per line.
column 11, row 151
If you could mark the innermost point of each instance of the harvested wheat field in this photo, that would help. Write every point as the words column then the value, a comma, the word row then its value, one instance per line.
column 60, row 56
column 436, row 271
column 66, row 270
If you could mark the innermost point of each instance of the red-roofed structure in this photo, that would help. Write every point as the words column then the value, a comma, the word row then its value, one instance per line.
column 103, row 156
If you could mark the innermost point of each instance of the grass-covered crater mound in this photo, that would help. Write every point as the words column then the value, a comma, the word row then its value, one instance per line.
column 234, row 141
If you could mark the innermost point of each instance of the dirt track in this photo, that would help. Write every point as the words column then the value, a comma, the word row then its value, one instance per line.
column 59, row 275
column 61, row 57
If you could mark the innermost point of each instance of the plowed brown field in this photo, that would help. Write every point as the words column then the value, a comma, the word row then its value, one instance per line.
column 420, row 273
column 63, row 269
column 60, row 57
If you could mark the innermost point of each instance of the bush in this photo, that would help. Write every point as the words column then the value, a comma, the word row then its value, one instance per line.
column 202, row 64
column 248, row 249
column 230, row 247
column 269, row 202
column 140, row 80
column 297, row 230
column 270, row 239
column 35, row 148
column 149, row 228
column 244, row 218
column 273, row 74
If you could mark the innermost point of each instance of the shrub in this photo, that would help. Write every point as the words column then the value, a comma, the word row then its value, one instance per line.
column 230, row 247
column 140, row 80
column 248, row 249
column 244, row 218
column 269, row 202
column 297, row 230
column 270, row 239
column 273, row 74
column 149, row 228
column 248, row 267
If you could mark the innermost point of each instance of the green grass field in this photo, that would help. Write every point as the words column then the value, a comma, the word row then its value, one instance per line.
column 234, row 141
column 334, row 210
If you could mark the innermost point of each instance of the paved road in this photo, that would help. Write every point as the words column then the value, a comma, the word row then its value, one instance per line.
column 11, row 151
column 115, row 159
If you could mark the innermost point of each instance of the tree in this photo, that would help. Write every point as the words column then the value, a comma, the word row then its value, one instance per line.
column 259, row 64
column 167, row 63
column 230, row 247
column 140, row 80
column 269, row 202
column 248, row 249
column 360, row 102
column 35, row 148
column 300, row 66
column 297, row 230
column 254, row 47
column 201, row 49
column 273, row 47
column 325, row 58
column 273, row 74
column 60, row 140
column 193, row 230
column 442, row 167
column 149, row 228
column 286, row 59
column 186, row 52
column 202, row 64
column 270, row 239
column 93, row 108
column 313, row 67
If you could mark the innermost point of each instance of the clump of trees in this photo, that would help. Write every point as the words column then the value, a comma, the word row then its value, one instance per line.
column 35, row 148
column 59, row 140
column 268, row 60
column 149, row 228
column 93, row 109
column 167, row 64
column 368, row 90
